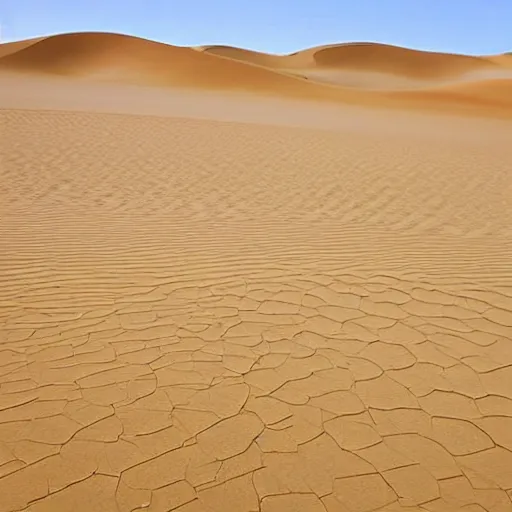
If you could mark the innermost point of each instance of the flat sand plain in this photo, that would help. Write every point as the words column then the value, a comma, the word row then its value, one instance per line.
column 225, row 286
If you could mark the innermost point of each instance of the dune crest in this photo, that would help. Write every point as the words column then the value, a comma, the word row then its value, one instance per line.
column 15, row 46
column 128, row 59
column 401, row 67
column 397, row 60
column 368, row 56
column 360, row 73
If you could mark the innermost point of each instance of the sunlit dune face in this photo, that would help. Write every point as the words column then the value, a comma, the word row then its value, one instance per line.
column 359, row 73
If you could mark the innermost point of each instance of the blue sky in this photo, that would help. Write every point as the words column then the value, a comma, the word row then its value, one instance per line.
column 278, row 26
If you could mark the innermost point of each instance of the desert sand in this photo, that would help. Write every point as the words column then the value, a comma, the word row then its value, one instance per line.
column 256, row 283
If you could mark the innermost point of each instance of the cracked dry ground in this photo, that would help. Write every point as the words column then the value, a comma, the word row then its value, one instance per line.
column 205, row 316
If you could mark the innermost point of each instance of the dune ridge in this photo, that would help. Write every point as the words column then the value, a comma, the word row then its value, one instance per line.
column 375, row 56
column 426, row 68
column 363, row 73
column 83, row 54
column 15, row 46
column 132, row 60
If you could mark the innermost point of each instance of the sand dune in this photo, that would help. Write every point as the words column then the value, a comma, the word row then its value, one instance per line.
column 214, row 300
column 396, row 60
column 373, row 66
column 253, row 57
column 9, row 48
column 504, row 60
column 351, row 73
column 140, row 61
column 363, row 56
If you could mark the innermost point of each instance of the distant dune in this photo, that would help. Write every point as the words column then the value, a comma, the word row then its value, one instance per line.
column 131, row 59
column 396, row 60
column 373, row 65
column 364, row 56
column 504, row 60
column 360, row 73
column 251, row 56
column 15, row 46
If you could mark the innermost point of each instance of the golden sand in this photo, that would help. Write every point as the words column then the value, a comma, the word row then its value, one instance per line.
column 228, row 286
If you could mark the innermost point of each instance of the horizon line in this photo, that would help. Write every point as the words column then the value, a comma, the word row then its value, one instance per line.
column 213, row 45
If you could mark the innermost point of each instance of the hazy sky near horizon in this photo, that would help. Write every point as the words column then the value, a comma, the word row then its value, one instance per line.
column 278, row 26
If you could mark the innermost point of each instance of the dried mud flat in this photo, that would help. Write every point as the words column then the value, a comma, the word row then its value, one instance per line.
column 210, row 315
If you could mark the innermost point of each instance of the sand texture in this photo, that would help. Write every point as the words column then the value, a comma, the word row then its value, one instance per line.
column 227, row 286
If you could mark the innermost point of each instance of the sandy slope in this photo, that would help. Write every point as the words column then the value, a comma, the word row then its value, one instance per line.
column 504, row 60
column 361, row 74
column 367, row 56
column 374, row 66
column 213, row 301
column 134, row 60
column 9, row 48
